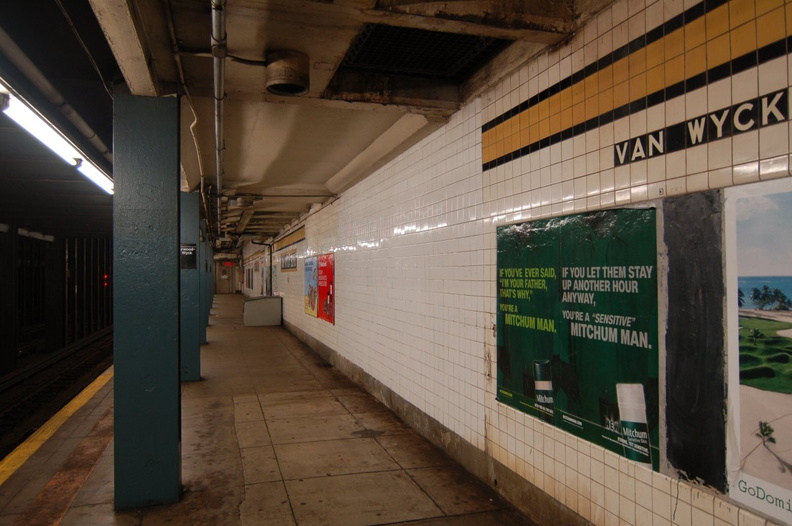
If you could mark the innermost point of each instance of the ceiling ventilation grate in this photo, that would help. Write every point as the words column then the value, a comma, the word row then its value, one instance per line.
column 420, row 53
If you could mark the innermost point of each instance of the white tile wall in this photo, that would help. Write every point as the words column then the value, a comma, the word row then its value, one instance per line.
column 415, row 255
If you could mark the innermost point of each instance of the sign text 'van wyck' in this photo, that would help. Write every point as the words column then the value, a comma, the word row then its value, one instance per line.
column 742, row 117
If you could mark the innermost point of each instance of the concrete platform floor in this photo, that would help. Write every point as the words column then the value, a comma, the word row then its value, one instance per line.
column 270, row 436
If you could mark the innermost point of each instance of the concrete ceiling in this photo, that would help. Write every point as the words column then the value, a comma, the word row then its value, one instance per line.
column 383, row 75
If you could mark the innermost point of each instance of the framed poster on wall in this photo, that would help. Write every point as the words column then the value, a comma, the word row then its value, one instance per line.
column 311, row 291
column 578, row 326
column 326, row 285
column 289, row 261
column 759, row 285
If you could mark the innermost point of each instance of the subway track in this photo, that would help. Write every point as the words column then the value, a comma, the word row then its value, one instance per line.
column 28, row 401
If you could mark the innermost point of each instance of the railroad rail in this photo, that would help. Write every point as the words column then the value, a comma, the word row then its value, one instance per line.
column 29, row 398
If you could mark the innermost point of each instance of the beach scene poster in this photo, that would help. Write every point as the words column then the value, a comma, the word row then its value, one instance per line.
column 761, row 401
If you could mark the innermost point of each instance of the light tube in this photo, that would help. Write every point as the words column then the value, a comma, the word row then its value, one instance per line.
column 99, row 178
column 41, row 130
column 50, row 137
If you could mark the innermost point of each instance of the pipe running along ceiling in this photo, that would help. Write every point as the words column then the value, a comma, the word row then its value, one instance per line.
column 381, row 75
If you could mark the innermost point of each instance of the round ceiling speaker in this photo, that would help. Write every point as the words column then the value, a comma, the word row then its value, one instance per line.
column 287, row 73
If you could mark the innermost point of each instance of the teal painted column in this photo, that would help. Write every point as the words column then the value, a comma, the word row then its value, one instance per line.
column 210, row 281
column 203, row 254
column 146, row 301
column 190, row 289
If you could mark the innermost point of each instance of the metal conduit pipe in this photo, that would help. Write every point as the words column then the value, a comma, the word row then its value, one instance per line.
column 26, row 66
column 219, row 53
column 193, row 126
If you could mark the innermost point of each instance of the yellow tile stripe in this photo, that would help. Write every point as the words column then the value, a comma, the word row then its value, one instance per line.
column 255, row 255
column 26, row 449
column 295, row 237
column 725, row 33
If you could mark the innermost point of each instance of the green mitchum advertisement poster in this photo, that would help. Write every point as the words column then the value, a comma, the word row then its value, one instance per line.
column 578, row 326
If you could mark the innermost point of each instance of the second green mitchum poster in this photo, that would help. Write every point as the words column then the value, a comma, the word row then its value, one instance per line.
column 578, row 326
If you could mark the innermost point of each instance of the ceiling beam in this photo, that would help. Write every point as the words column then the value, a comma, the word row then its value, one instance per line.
column 247, row 215
column 260, row 217
column 120, row 24
column 355, row 4
column 292, row 209
column 434, row 107
column 512, row 26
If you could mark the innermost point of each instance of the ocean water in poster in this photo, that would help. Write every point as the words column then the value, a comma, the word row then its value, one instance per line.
column 578, row 326
column 759, row 269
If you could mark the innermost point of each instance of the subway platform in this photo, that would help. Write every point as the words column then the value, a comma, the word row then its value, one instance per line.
column 270, row 436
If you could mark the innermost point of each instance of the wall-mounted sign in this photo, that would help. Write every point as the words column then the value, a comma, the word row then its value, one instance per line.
column 739, row 118
column 578, row 326
column 289, row 261
column 188, row 256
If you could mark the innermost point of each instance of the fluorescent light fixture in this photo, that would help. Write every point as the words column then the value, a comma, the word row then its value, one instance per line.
column 41, row 130
column 52, row 138
column 97, row 176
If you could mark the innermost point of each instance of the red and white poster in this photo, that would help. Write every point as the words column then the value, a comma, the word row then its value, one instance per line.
column 326, row 284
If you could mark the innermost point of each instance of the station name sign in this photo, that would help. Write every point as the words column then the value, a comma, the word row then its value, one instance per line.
column 740, row 118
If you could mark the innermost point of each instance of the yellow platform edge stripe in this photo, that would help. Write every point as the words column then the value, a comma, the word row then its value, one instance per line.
column 26, row 449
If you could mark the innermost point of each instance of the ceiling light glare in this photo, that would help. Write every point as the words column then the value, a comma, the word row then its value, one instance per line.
column 99, row 178
column 49, row 136
column 41, row 130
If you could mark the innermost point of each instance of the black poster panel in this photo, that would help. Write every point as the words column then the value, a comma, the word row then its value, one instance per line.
column 695, row 396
